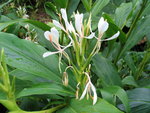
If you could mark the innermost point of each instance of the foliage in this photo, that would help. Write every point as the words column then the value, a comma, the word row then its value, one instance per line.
column 119, row 69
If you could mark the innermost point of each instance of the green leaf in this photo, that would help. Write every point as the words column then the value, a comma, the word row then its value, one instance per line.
column 4, row 18
column 117, row 3
column 72, row 6
column 130, row 62
column 6, row 24
column 51, row 10
column 139, row 100
column 61, row 3
column 27, row 56
column 21, row 75
column 46, row 88
column 140, row 30
column 98, row 6
column 122, row 13
column 146, row 9
column 2, row 95
column 4, row 4
column 85, row 106
column 141, row 66
column 116, row 91
column 38, row 26
column 106, row 71
column 129, row 80
column 87, row 5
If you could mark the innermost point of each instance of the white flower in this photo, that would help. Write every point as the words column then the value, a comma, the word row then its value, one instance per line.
column 25, row 16
column 64, row 16
column 102, row 26
column 112, row 37
column 53, row 37
column 78, row 22
column 57, row 24
column 88, row 89
column 69, row 26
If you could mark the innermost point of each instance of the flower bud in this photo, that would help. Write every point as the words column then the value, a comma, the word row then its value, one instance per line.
column 65, row 79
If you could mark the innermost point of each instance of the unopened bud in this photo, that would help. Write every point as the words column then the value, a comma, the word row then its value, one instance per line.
column 77, row 91
column 65, row 79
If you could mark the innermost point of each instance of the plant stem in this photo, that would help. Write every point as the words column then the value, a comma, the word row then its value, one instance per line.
column 131, row 28
column 136, row 19
column 142, row 64
column 51, row 110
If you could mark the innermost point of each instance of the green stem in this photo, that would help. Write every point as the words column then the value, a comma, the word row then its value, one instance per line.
column 136, row 19
column 90, row 56
column 10, row 105
column 76, row 48
column 51, row 110
column 132, row 27
column 142, row 64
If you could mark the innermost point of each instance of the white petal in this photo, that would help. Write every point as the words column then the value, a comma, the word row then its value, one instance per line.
column 101, row 21
column 47, row 35
column 85, row 91
column 70, row 27
column 46, row 54
column 64, row 14
column 102, row 25
column 90, row 36
column 57, row 24
column 113, row 37
column 55, row 35
column 65, row 18
column 78, row 22
column 94, row 93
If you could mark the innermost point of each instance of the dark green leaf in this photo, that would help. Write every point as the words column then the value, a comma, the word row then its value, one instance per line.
column 140, row 30
column 139, row 100
column 98, row 6
column 122, row 13
column 51, row 10
column 46, row 88
column 4, row 4
column 61, row 3
column 2, row 95
column 27, row 56
column 38, row 26
column 21, row 75
column 119, row 92
column 106, row 71
column 129, row 80
column 130, row 62
column 72, row 6
column 85, row 106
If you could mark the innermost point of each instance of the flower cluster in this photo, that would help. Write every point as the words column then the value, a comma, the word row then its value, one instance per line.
column 53, row 34
column 76, row 34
